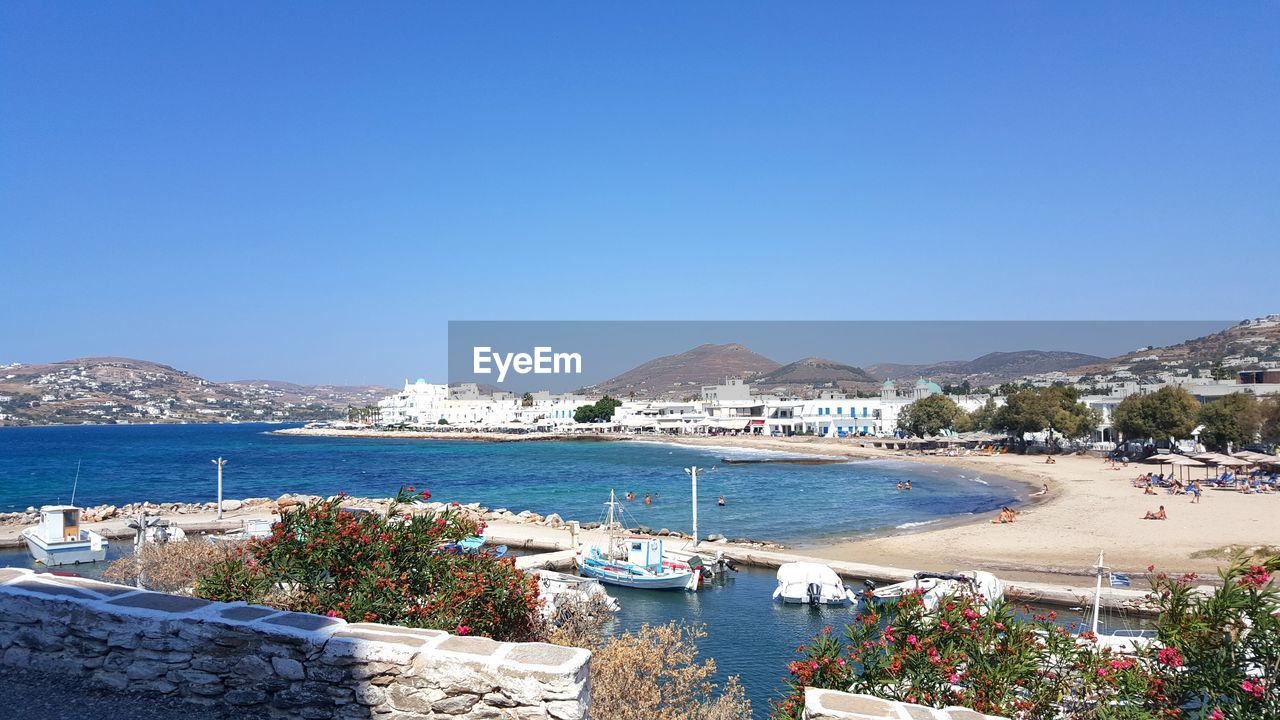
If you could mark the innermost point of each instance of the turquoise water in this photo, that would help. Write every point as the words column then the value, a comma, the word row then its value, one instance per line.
column 748, row 634
column 789, row 503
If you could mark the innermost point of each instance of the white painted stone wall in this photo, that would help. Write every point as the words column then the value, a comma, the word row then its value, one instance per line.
column 834, row 705
column 278, row 664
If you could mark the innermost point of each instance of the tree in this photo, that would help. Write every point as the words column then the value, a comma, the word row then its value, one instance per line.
column 1169, row 412
column 1269, row 409
column 599, row 411
column 929, row 415
column 1057, row 409
column 526, row 400
column 1234, row 419
column 984, row 417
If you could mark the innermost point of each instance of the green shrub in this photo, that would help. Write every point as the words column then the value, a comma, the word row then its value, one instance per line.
column 370, row 567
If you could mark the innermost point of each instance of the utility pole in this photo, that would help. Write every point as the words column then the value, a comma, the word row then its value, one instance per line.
column 219, row 462
column 693, row 473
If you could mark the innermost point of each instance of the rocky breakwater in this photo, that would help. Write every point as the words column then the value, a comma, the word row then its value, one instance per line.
column 263, row 661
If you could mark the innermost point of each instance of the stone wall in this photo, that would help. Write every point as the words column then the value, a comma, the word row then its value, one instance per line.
column 833, row 705
column 270, row 663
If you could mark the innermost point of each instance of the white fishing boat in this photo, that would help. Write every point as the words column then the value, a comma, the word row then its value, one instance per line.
column 933, row 587
column 812, row 584
column 59, row 540
column 633, row 561
column 252, row 530
column 1123, row 641
column 559, row 589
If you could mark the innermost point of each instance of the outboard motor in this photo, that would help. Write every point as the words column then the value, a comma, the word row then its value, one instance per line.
column 870, row 585
column 815, row 593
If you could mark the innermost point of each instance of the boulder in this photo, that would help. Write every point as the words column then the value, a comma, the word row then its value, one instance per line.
column 231, row 505
column 554, row 520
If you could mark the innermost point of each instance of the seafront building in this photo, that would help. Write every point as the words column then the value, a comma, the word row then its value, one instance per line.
column 732, row 408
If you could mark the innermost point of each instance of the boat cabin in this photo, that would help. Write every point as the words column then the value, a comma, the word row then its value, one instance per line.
column 59, row 523
column 645, row 551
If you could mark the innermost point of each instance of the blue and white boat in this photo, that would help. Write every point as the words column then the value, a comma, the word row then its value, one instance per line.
column 472, row 545
column 634, row 562
column 59, row 539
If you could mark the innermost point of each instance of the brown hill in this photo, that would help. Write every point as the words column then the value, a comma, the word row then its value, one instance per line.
column 685, row 373
column 1247, row 345
column 990, row 369
column 114, row 389
column 815, row 372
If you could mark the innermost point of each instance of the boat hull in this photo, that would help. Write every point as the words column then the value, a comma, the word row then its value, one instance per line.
column 622, row 578
column 65, row 553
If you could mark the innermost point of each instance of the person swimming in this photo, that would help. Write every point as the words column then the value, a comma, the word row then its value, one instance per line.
column 908, row 485
column 630, row 496
column 648, row 500
column 899, row 485
column 720, row 502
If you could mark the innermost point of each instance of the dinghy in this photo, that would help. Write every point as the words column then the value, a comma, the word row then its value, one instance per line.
column 811, row 584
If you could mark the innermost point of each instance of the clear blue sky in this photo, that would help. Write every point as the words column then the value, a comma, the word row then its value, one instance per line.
column 309, row 191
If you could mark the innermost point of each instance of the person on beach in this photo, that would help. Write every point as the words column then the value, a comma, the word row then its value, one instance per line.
column 1048, row 460
column 648, row 500
column 1157, row 515
column 1006, row 516
column 1042, row 491
column 1195, row 492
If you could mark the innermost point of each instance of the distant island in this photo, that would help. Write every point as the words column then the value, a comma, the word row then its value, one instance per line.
column 111, row 390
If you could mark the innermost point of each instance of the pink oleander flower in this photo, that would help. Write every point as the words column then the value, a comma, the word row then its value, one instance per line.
column 463, row 630
column 1170, row 657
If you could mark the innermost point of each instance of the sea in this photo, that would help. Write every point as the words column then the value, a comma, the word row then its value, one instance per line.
column 747, row 634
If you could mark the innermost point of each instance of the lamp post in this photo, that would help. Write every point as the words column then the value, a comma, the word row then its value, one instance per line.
column 219, row 462
column 693, row 474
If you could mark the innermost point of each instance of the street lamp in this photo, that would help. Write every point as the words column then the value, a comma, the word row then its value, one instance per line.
column 219, row 462
column 693, row 474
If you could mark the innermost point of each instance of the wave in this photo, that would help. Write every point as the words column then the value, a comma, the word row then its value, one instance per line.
column 909, row 525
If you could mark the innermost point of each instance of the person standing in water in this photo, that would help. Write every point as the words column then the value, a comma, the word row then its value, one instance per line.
column 720, row 502
column 648, row 500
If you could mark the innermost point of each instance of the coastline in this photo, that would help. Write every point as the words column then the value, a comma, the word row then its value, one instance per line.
column 1089, row 507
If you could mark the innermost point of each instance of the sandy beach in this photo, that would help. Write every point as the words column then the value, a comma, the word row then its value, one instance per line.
column 1089, row 507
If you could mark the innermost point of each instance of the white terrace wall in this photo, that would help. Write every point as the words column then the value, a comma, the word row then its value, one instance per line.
column 278, row 664
column 832, row 705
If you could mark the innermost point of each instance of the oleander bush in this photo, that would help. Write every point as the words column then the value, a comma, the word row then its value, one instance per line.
column 387, row 568
column 1216, row 657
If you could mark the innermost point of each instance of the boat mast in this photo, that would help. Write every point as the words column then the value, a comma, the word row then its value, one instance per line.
column 1097, row 596
column 75, row 483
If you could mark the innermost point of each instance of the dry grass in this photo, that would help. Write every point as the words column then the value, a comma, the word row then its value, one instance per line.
column 651, row 674
column 171, row 567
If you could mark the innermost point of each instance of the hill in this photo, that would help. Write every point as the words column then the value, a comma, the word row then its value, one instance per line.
column 114, row 390
column 1244, row 346
column 815, row 372
column 990, row 369
column 685, row 373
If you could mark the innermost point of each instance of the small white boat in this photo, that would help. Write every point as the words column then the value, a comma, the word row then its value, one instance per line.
column 1122, row 641
column 812, row 584
column 252, row 530
column 933, row 587
column 634, row 562
column 558, row 589
column 59, row 540
column 149, row 529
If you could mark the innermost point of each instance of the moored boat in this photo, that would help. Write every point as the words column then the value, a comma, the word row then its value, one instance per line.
column 58, row 539
column 634, row 562
column 559, row 590
column 933, row 587
column 812, row 584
